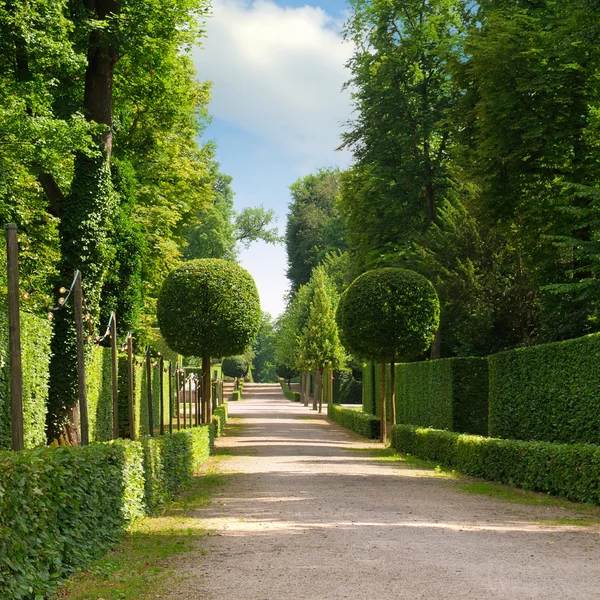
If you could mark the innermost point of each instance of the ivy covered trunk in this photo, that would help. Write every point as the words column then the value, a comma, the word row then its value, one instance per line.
column 83, row 228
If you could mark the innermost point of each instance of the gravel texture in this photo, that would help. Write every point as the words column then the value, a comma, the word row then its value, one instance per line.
column 307, row 513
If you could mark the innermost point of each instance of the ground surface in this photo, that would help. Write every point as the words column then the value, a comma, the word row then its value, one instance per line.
column 309, row 513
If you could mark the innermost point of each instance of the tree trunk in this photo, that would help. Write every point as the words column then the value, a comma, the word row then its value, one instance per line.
column 322, row 387
column 393, row 392
column 436, row 347
column 383, row 411
column 317, row 390
column 206, row 389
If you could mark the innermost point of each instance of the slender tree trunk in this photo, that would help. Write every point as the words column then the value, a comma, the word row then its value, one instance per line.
column 393, row 392
column 206, row 389
column 383, row 411
column 322, row 387
column 317, row 390
column 436, row 347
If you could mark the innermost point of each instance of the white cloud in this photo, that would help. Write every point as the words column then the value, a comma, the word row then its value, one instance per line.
column 278, row 74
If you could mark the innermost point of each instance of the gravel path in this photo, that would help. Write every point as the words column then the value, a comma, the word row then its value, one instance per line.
column 307, row 515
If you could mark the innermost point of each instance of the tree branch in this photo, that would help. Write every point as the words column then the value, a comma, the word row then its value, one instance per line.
column 53, row 193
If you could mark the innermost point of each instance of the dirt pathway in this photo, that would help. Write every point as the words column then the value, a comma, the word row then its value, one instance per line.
column 307, row 515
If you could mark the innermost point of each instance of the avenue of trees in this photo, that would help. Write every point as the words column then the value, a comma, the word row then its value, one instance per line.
column 476, row 162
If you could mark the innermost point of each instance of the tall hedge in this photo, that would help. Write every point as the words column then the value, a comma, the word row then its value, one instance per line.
column 99, row 394
column 36, row 333
column 445, row 394
column 549, row 392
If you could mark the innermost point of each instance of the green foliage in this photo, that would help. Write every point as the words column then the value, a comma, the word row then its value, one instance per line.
column 287, row 392
column 99, row 394
column 235, row 366
column 104, row 486
column 362, row 423
column 548, row 392
column 370, row 389
column 252, row 225
column 209, row 307
column 286, row 373
column 568, row 470
column 264, row 370
column 346, row 389
column 388, row 314
column 314, row 226
column 236, row 395
column 36, row 333
column 219, row 419
column 444, row 394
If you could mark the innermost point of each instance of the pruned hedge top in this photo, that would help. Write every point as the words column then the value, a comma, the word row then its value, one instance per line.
column 388, row 314
column 209, row 307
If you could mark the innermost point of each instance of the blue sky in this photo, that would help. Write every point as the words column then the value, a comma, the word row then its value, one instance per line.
column 277, row 71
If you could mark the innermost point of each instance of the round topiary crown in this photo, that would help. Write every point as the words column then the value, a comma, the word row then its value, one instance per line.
column 209, row 307
column 388, row 314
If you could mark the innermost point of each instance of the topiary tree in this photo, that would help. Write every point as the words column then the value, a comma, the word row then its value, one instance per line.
column 388, row 315
column 208, row 307
column 286, row 373
column 235, row 366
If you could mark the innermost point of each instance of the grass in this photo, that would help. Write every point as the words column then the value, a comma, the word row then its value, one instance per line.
column 140, row 566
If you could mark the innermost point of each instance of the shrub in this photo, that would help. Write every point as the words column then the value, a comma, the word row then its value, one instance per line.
column 62, row 507
column 444, row 394
column 548, row 392
column 99, row 394
column 568, row 470
column 286, row 373
column 235, row 366
column 388, row 314
column 235, row 395
column 346, row 389
column 351, row 418
column 288, row 393
column 35, row 350
column 219, row 418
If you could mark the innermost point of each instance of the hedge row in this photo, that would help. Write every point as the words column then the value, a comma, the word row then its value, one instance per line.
column 346, row 389
column 219, row 418
column 351, row 418
column 62, row 507
column 36, row 333
column 568, row 470
column 287, row 392
column 548, row 392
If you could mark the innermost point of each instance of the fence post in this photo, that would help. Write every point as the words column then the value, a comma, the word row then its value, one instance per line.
column 14, row 338
column 82, row 393
column 184, row 401
column 161, row 410
column 177, row 395
column 170, row 397
column 383, row 415
column 149, row 390
column 115, row 374
column 393, row 391
column 130, row 386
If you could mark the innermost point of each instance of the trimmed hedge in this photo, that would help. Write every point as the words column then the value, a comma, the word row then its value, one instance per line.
column 444, row 394
column 287, row 392
column 236, row 395
column 351, row 418
column 571, row 471
column 346, row 389
column 219, row 419
column 36, row 333
column 62, row 507
column 548, row 392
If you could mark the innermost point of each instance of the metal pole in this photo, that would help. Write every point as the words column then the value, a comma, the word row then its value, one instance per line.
column 115, row 374
column 149, row 391
column 130, row 386
column 83, row 407
column 161, row 409
column 14, row 338
column 170, row 397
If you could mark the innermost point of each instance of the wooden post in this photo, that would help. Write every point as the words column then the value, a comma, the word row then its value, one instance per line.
column 149, row 391
column 161, row 395
column 200, row 400
column 317, row 389
column 184, row 402
column 383, row 411
column 177, row 383
column 191, row 401
column 393, row 391
column 14, row 339
column 170, row 397
column 130, row 387
column 115, row 374
column 82, row 393
column 331, row 400
column 206, row 388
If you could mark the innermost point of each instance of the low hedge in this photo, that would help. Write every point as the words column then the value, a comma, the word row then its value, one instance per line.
column 219, row 418
column 571, row 471
column 360, row 422
column 547, row 392
column 62, row 507
column 287, row 392
column 236, row 395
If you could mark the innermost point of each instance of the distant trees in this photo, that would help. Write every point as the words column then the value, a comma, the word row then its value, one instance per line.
column 264, row 352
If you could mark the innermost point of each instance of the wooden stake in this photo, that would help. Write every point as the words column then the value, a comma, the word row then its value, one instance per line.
column 393, row 392
column 184, row 404
column 177, row 407
column 149, row 391
column 161, row 394
column 14, row 339
column 170, row 397
column 383, row 411
column 115, row 374
column 130, row 387
column 82, row 393
column 206, row 388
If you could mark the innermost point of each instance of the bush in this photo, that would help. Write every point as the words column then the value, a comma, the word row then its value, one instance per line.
column 219, row 419
column 99, row 394
column 36, row 333
column 444, row 394
column 288, row 393
column 209, row 307
column 568, row 470
column 351, row 418
column 62, row 507
column 346, row 389
column 547, row 392
column 236, row 395
column 388, row 314
column 285, row 372
column 235, row 366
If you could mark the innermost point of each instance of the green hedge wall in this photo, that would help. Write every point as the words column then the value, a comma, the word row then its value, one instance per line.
column 219, row 418
column 445, row 394
column 549, row 392
column 346, row 389
column 99, row 394
column 36, row 333
column 351, row 418
column 62, row 507
column 571, row 471
column 287, row 392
